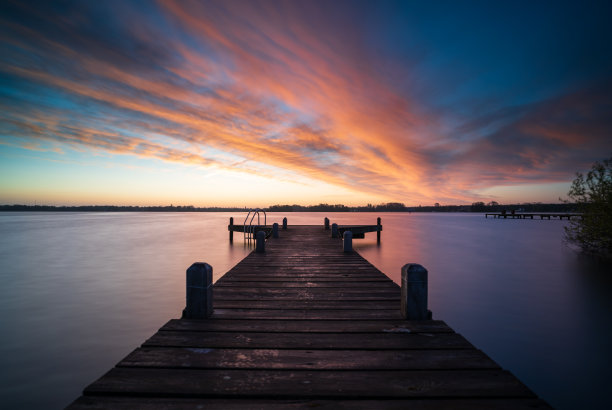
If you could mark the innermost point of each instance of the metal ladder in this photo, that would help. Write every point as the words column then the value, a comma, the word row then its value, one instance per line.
column 249, row 231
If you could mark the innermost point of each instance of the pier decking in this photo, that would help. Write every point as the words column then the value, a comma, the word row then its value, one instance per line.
column 305, row 325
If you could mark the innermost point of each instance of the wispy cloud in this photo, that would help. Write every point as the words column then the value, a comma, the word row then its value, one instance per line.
column 244, row 86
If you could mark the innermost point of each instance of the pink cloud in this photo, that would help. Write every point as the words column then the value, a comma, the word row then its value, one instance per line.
column 287, row 84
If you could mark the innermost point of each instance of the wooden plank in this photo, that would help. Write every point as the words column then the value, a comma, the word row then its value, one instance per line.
column 157, row 403
column 307, row 383
column 340, row 341
column 273, row 269
column 305, row 295
column 302, row 278
column 308, row 268
column 301, row 296
column 310, row 284
column 317, row 264
column 335, row 292
column 338, row 314
column 308, row 326
column 300, row 359
column 300, row 275
column 322, row 260
column 391, row 304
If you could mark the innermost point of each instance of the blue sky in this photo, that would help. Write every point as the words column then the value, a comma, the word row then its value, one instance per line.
column 252, row 103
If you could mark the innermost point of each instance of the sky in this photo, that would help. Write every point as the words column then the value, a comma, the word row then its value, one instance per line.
column 254, row 103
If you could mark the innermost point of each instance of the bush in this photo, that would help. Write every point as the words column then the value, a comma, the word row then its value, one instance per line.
column 593, row 196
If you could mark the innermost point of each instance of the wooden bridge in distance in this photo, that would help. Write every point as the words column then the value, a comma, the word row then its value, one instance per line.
column 306, row 325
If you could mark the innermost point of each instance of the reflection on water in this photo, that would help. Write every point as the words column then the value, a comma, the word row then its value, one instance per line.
column 81, row 290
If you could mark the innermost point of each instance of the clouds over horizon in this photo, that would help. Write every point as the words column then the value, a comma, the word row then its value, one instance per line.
column 346, row 93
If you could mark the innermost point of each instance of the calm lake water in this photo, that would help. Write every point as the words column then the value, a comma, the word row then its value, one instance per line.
column 81, row 290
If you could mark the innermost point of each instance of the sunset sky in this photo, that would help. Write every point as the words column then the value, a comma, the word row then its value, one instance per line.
column 247, row 103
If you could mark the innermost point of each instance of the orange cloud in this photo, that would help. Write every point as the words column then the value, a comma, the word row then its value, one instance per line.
column 246, row 86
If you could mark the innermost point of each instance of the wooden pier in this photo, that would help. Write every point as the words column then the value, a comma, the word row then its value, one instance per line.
column 306, row 325
column 521, row 215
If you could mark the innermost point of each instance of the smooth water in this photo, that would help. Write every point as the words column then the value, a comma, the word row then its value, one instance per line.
column 81, row 290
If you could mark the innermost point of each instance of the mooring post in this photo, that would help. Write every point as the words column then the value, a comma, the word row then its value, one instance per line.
column 230, row 229
column 379, row 228
column 334, row 230
column 414, row 292
column 275, row 230
column 199, row 291
column 260, row 244
column 348, row 241
column 284, row 224
column 326, row 223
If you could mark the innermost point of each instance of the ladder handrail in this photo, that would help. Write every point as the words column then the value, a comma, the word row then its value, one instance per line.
column 248, row 233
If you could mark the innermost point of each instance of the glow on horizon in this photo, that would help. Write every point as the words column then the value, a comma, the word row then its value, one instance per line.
column 261, row 103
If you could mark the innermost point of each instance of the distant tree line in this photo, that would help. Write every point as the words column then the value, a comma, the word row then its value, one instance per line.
column 387, row 207
column 399, row 207
column 115, row 208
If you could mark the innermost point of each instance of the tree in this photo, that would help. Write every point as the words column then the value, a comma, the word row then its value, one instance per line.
column 478, row 207
column 593, row 196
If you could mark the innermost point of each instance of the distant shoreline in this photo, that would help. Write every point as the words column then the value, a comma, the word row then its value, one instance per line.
column 390, row 207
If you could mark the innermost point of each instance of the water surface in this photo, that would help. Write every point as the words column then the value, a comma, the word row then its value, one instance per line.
column 82, row 290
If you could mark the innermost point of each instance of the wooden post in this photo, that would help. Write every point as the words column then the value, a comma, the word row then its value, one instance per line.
column 260, row 245
column 199, row 291
column 348, row 241
column 275, row 230
column 326, row 223
column 379, row 226
column 230, row 229
column 334, row 230
column 414, row 292
column 284, row 224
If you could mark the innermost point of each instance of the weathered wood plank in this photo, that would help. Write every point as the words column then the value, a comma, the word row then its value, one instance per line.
column 311, row 284
column 308, row 326
column 314, row 290
column 148, row 403
column 340, row 341
column 307, row 383
column 391, row 304
column 306, row 295
column 300, row 359
column 317, row 266
column 334, row 292
column 302, row 278
column 338, row 314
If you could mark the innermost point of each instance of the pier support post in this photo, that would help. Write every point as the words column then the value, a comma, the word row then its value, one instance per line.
column 284, row 224
column 348, row 241
column 326, row 223
column 260, row 244
column 379, row 226
column 231, row 233
column 199, row 291
column 334, row 230
column 414, row 292
column 275, row 230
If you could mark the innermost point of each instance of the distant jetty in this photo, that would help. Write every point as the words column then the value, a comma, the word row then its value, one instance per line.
column 522, row 215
